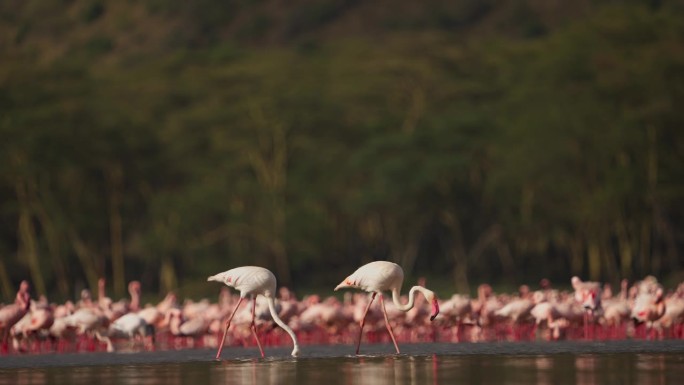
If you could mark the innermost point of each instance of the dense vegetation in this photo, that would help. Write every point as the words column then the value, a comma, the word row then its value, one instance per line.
column 468, row 140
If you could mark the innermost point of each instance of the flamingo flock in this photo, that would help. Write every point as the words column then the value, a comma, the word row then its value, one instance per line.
column 644, row 309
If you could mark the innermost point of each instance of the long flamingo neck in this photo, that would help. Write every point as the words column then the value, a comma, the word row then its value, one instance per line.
column 276, row 318
column 135, row 301
column 411, row 297
column 174, row 323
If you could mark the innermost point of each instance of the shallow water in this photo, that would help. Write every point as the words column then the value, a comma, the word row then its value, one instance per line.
column 448, row 364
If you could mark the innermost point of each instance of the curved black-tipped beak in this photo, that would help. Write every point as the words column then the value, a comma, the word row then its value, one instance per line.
column 435, row 309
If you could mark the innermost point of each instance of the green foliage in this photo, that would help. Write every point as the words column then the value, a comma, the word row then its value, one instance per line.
column 312, row 15
column 93, row 11
column 98, row 45
column 243, row 133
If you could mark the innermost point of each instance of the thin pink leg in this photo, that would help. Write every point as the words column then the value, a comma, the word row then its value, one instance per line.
column 227, row 326
column 363, row 322
column 389, row 327
column 254, row 326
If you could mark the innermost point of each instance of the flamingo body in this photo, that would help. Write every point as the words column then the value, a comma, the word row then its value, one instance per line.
column 11, row 314
column 248, row 280
column 129, row 325
column 251, row 281
column 376, row 277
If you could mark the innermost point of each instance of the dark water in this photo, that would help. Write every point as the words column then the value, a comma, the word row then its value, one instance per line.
column 534, row 363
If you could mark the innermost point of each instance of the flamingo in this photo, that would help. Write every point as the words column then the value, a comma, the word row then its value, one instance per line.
column 11, row 314
column 516, row 311
column 253, row 281
column 38, row 318
column 544, row 311
column 102, row 298
column 588, row 295
column 155, row 315
column 674, row 314
column 379, row 276
column 459, row 312
column 135, row 291
column 186, row 327
column 616, row 310
column 130, row 326
column 649, row 307
column 326, row 315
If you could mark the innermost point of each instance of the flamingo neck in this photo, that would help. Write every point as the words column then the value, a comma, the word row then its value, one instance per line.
column 276, row 318
column 411, row 297
column 174, row 324
column 135, row 301
column 100, row 292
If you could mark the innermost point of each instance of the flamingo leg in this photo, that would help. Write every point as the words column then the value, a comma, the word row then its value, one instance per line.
column 387, row 323
column 5, row 346
column 256, row 337
column 223, row 339
column 363, row 321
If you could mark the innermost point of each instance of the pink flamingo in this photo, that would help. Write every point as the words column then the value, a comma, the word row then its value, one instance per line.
column 379, row 276
column 544, row 311
column 616, row 310
column 187, row 327
column 135, row 291
column 28, row 328
column 516, row 312
column 11, row 314
column 588, row 295
column 252, row 281
column 649, row 307
column 674, row 314
column 458, row 312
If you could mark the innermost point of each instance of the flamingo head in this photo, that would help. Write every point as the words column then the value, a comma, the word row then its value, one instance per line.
column 134, row 287
column 225, row 278
column 348, row 282
column 435, row 307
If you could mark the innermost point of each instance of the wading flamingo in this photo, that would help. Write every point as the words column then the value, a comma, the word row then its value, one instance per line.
column 588, row 295
column 252, row 281
column 11, row 314
column 379, row 276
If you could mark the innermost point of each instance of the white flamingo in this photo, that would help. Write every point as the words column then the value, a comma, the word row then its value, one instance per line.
column 379, row 276
column 131, row 326
column 252, row 281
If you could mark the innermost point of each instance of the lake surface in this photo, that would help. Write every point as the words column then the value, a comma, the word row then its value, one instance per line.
column 504, row 363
